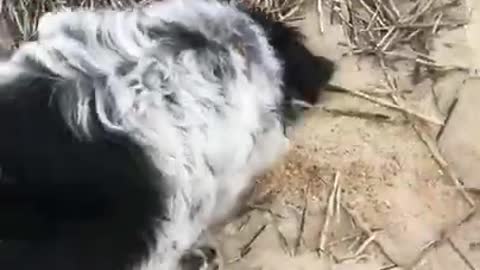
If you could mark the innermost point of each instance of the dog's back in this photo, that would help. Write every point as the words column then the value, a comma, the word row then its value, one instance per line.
column 126, row 134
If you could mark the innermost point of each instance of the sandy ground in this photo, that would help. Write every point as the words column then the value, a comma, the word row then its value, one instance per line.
column 397, row 208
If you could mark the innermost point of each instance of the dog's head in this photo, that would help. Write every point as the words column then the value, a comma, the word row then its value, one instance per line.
column 304, row 74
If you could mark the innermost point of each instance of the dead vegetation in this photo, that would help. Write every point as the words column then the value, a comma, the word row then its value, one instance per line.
column 393, row 30
column 383, row 30
column 23, row 15
column 282, row 10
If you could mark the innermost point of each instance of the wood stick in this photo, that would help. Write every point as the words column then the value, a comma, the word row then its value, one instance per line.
column 303, row 215
column 329, row 213
column 391, row 106
column 417, row 25
column 365, row 244
column 320, row 16
column 460, row 254
column 445, row 167
column 444, row 237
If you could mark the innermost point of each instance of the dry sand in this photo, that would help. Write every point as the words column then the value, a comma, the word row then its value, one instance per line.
column 396, row 193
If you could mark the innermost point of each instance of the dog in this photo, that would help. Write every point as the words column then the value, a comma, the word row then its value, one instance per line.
column 128, row 134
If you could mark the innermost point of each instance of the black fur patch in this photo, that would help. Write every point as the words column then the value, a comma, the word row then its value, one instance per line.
column 72, row 204
column 304, row 73
column 124, row 68
column 214, row 56
column 182, row 37
column 75, row 34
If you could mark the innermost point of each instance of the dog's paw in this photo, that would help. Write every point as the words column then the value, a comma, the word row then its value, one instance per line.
column 201, row 258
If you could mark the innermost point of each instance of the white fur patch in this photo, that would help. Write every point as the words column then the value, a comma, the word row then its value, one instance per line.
column 208, row 157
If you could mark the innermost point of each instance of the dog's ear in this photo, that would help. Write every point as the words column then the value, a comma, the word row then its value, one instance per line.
column 305, row 74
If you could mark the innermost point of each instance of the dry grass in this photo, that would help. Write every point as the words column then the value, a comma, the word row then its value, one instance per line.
column 394, row 29
column 23, row 15
column 282, row 10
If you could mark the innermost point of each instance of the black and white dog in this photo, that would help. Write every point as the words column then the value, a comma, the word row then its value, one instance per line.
column 126, row 135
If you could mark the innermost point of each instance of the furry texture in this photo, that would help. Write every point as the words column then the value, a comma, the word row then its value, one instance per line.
column 126, row 135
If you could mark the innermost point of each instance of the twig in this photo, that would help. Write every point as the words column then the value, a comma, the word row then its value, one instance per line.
column 365, row 244
column 320, row 16
column 366, row 229
column 444, row 237
column 421, row 11
column 244, row 222
column 354, row 243
column 389, row 267
column 433, row 148
column 437, row 22
column 391, row 41
column 373, row 20
column 436, row 154
column 393, row 106
column 329, row 213
column 343, row 239
column 265, row 209
column 412, row 35
column 338, row 201
column 356, row 258
column 391, row 81
column 415, row 26
column 358, row 221
column 369, row 10
column 301, row 230
column 450, row 110
column 354, row 34
column 418, row 58
column 423, row 252
column 281, row 238
column 301, row 227
column 247, row 247
column 385, row 38
column 394, row 8
column 389, row 14
column 461, row 255
column 359, row 114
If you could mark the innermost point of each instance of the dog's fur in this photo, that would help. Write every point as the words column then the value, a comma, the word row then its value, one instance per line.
column 125, row 135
